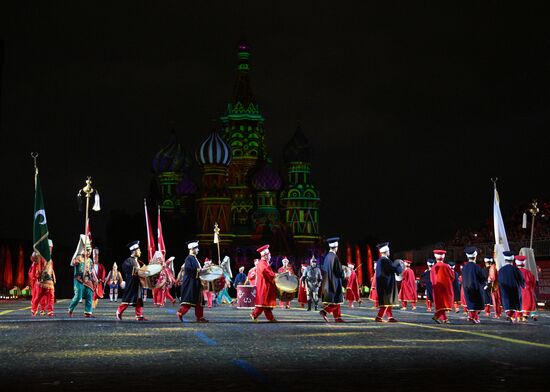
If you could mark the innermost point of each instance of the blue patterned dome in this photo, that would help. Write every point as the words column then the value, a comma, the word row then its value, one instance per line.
column 214, row 151
column 267, row 179
column 171, row 158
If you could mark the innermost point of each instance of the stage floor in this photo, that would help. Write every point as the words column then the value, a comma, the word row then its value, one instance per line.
column 300, row 352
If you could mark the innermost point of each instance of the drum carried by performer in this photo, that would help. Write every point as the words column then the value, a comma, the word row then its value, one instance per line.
column 191, row 287
column 287, row 283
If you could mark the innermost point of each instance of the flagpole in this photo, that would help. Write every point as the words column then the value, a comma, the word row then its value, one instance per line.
column 534, row 210
column 87, row 190
column 217, row 240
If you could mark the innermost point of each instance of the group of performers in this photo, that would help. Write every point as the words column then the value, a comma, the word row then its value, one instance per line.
column 510, row 289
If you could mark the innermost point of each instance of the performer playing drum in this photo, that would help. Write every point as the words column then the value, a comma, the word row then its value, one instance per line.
column 191, row 295
column 133, row 292
column 285, row 296
column 333, row 292
column 266, row 290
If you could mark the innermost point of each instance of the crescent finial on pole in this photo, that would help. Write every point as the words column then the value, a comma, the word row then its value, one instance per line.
column 34, row 156
column 494, row 181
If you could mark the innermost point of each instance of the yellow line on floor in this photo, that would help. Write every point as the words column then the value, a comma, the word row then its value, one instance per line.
column 25, row 308
column 321, row 334
column 484, row 335
column 385, row 347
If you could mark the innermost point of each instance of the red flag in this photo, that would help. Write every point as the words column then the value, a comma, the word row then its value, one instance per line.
column 348, row 253
column 2, row 256
column 20, row 277
column 358, row 265
column 89, row 232
column 150, row 239
column 370, row 267
column 160, row 238
column 8, row 272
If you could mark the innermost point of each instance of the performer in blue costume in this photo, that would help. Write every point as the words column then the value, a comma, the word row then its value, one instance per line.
column 511, row 281
column 473, row 282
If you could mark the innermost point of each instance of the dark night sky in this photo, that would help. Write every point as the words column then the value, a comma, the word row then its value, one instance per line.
column 410, row 109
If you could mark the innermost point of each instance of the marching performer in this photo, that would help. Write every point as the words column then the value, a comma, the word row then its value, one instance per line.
column 407, row 293
column 84, row 277
column 133, row 291
column 528, row 303
column 251, row 277
column 170, row 280
column 224, row 292
column 99, row 271
column 495, row 290
column 266, row 291
column 43, row 283
column 462, row 297
column 114, row 280
column 511, row 282
column 352, row 287
column 473, row 282
column 312, row 279
column 456, row 287
column 332, row 287
column 427, row 283
column 302, row 290
column 487, row 288
column 386, row 285
column 208, row 287
column 191, row 287
column 285, row 268
column 373, row 294
column 442, row 278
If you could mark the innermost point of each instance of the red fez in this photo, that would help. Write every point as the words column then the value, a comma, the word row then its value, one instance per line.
column 407, row 262
column 262, row 249
column 520, row 257
column 439, row 252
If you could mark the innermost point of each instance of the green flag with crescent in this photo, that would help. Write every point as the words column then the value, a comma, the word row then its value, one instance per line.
column 40, row 225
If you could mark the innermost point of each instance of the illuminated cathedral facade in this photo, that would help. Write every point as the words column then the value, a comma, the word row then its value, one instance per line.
column 239, row 189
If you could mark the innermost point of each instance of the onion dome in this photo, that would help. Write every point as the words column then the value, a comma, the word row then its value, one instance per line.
column 267, row 179
column 214, row 151
column 171, row 158
column 186, row 187
column 298, row 148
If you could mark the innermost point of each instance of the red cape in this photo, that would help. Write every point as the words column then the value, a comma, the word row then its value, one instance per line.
column 352, row 289
column 442, row 277
column 528, row 292
column 266, row 291
column 408, row 286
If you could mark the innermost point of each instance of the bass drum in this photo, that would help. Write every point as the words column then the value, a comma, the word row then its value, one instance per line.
column 399, row 277
column 211, row 273
column 287, row 286
column 246, row 296
column 148, row 275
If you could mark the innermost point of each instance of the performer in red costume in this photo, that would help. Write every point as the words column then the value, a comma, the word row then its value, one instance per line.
column 302, row 292
column 528, row 303
column 251, row 276
column 495, row 289
column 99, row 270
column 373, row 294
column 442, row 278
column 43, row 291
column 208, row 288
column 266, row 291
column 407, row 293
column 352, row 287
column 170, row 281
column 285, row 268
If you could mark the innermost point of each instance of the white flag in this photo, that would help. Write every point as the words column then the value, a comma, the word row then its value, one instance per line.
column 501, row 241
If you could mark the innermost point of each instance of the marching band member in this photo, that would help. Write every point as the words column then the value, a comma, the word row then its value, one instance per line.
column 191, row 295
column 285, row 268
column 352, row 287
column 511, row 282
column 332, row 287
column 456, row 287
column 312, row 279
column 495, row 290
column 487, row 288
column 114, row 280
column 473, row 282
column 84, row 277
column 158, row 290
column 207, row 287
column 462, row 297
column 99, row 271
column 528, row 303
column 427, row 282
column 170, row 280
column 42, row 279
column 373, row 294
column 224, row 292
column 266, row 291
column 442, row 278
column 302, row 290
column 407, row 293
column 386, row 285
column 133, row 292
column 251, row 277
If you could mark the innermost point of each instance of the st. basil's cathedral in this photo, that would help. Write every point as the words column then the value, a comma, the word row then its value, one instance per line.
column 239, row 189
